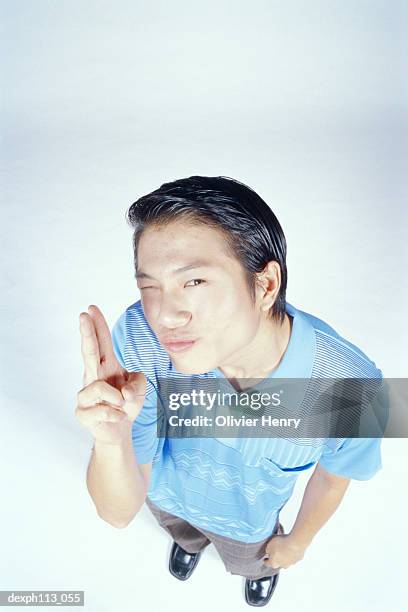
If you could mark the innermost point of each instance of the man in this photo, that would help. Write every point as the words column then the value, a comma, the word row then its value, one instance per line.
column 210, row 263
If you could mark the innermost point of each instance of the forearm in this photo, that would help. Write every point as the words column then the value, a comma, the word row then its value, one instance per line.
column 320, row 500
column 115, row 482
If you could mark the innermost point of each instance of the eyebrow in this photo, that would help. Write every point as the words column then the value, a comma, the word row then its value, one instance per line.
column 199, row 263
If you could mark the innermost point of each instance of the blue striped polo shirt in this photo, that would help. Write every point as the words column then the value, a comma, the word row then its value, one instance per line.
column 236, row 487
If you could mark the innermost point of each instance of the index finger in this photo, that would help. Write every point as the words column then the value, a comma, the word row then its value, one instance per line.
column 106, row 353
column 89, row 348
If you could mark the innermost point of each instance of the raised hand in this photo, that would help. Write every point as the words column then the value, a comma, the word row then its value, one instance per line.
column 111, row 397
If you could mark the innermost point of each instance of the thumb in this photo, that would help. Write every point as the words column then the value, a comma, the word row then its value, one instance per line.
column 134, row 393
column 135, row 388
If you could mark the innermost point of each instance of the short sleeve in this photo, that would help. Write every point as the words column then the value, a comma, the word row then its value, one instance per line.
column 118, row 334
column 144, row 431
column 357, row 458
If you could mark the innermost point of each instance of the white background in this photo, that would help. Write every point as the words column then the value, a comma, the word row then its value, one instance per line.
column 105, row 101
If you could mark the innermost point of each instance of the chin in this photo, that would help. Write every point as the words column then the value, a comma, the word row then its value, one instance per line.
column 191, row 368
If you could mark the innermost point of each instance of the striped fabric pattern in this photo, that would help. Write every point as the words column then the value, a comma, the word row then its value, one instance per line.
column 236, row 487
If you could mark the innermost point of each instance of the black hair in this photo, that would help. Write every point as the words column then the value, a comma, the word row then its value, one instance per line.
column 252, row 232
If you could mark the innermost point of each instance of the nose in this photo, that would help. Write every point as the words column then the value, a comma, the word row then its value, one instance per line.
column 171, row 313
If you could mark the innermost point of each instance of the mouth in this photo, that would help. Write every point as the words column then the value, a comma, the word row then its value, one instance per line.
column 178, row 347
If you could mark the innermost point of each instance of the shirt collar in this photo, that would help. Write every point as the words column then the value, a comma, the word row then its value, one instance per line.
column 298, row 359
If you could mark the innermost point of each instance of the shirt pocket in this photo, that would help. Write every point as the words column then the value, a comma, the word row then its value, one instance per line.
column 282, row 471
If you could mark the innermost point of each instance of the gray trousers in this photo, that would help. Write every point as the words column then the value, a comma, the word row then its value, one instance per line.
column 238, row 557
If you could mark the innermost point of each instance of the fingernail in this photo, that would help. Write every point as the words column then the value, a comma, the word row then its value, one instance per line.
column 127, row 393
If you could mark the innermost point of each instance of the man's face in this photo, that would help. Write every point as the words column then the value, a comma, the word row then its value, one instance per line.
column 209, row 304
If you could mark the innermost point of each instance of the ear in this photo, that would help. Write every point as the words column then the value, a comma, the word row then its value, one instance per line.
column 268, row 284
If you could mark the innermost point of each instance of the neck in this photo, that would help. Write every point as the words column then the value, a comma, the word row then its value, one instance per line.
column 263, row 355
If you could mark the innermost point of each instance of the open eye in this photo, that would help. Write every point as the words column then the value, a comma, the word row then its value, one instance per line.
column 196, row 279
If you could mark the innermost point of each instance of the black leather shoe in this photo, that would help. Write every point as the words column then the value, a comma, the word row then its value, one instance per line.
column 258, row 592
column 181, row 562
